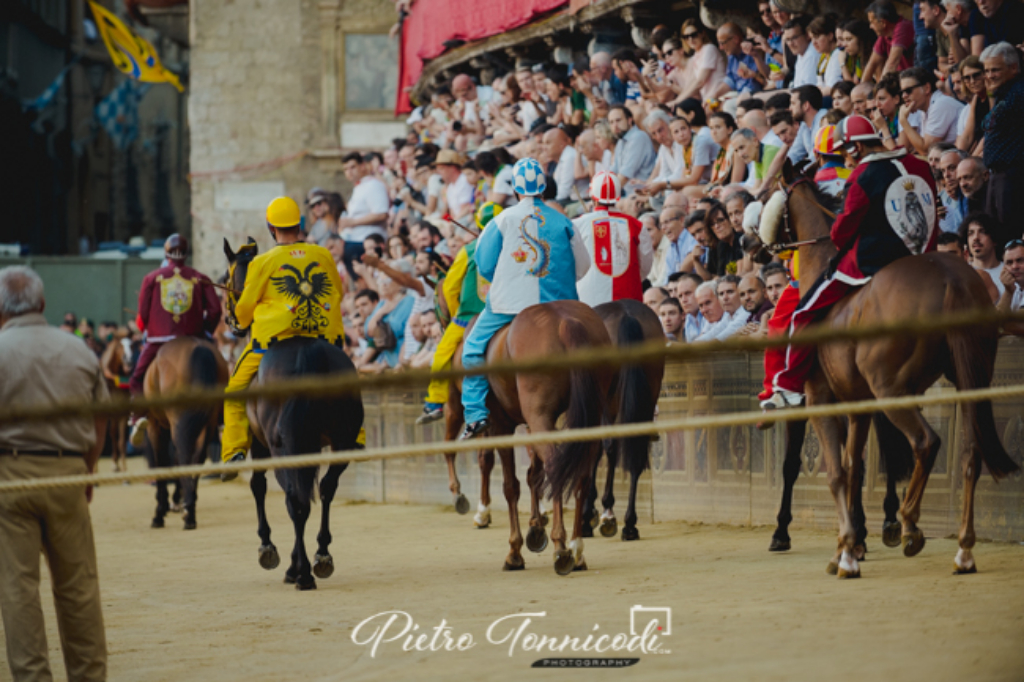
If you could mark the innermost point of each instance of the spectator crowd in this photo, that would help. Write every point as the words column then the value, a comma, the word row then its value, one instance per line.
column 697, row 124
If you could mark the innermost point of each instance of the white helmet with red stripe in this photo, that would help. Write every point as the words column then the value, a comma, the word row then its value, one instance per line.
column 605, row 188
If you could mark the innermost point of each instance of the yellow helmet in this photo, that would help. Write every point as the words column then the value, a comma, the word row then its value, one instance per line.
column 283, row 212
column 486, row 213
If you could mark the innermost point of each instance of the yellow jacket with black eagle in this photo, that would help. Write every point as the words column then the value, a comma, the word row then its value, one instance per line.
column 292, row 290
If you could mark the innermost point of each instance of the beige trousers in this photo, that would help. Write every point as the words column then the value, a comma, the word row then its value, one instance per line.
column 56, row 523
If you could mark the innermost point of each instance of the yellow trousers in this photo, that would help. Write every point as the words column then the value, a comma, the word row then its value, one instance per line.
column 443, row 354
column 237, row 437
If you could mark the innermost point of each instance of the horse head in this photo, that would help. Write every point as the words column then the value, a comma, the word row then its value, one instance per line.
column 238, row 268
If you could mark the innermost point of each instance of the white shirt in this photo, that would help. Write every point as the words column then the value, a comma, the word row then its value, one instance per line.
column 805, row 72
column 458, row 194
column 1018, row 298
column 672, row 165
column 370, row 196
column 565, row 173
column 725, row 327
column 994, row 274
column 941, row 118
column 771, row 139
column 658, row 276
column 833, row 70
column 961, row 120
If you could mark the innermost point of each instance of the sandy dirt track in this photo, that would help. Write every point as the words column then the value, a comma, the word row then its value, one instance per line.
column 196, row 605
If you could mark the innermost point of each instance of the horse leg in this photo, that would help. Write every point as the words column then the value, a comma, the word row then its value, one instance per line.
column 795, row 433
column 629, row 531
column 589, row 505
column 453, row 422
column 536, row 537
column 514, row 560
column 925, row 443
column 576, row 543
column 190, row 492
column 268, row 556
column 891, row 528
column 856, row 437
column 323, row 563
column 482, row 518
column 157, row 444
column 971, row 462
column 608, row 525
column 299, row 571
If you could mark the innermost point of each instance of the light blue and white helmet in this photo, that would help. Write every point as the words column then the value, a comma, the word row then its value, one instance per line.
column 528, row 178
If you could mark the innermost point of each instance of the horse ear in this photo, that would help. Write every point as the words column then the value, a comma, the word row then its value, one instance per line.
column 788, row 172
column 251, row 241
column 228, row 252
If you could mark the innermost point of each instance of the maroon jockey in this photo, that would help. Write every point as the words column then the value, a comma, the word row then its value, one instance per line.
column 174, row 301
column 889, row 213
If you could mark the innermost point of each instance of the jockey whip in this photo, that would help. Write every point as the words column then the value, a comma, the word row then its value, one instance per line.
column 471, row 230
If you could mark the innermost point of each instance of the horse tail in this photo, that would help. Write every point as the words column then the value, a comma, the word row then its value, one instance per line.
column 301, row 422
column 202, row 368
column 895, row 453
column 636, row 404
column 974, row 354
column 571, row 463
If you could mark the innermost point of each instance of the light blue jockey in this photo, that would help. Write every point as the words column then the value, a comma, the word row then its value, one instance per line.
column 531, row 255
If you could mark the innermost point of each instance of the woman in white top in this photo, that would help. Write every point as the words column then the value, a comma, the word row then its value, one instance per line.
column 704, row 68
column 830, row 64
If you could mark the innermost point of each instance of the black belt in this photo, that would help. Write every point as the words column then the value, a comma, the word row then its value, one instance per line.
column 41, row 453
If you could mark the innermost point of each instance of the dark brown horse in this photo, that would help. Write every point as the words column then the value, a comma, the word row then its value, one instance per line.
column 184, row 363
column 116, row 363
column 929, row 285
column 293, row 427
column 537, row 400
column 634, row 396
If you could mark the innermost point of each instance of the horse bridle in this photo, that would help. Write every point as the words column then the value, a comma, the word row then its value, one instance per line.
column 232, row 295
column 788, row 190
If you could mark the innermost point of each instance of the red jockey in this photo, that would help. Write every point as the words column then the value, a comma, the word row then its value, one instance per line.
column 889, row 213
column 174, row 301
column 621, row 253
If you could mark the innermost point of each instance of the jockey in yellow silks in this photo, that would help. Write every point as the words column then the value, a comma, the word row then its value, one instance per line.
column 465, row 293
column 291, row 290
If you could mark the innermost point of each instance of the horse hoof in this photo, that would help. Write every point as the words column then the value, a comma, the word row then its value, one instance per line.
column 482, row 519
column 303, row 586
column 269, row 558
column 779, row 545
column 609, row 527
column 536, row 539
column 323, row 566
column 891, row 532
column 960, row 570
column 844, row 574
column 582, row 566
column 289, row 577
column 157, row 523
column 630, row 534
column 587, row 531
column 913, row 543
column 189, row 525
column 594, row 520
column 461, row 504
column 513, row 567
column 176, row 508
column 860, row 551
column 565, row 562
column 832, row 568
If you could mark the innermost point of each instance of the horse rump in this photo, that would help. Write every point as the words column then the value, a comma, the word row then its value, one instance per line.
column 191, row 426
column 571, row 463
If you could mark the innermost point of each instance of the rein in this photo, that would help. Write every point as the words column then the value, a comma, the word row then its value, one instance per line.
column 788, row 189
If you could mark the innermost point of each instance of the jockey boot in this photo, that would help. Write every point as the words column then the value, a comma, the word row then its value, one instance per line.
column 474, row 429
column 782, row 399
column 232, row 475
column 138, row 431
column 431, row 413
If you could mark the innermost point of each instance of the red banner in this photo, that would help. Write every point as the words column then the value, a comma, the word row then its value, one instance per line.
column 431, row 23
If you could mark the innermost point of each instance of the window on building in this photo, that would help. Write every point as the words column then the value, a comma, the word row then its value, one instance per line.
column 371, row 71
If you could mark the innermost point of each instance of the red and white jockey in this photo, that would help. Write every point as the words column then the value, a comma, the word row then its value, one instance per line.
column 620, row 249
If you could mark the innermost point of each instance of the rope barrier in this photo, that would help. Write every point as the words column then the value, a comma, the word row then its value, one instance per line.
column 595, row 433
column 321, row 387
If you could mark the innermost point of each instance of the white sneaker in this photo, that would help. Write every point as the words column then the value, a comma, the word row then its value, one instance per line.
column 138, row 435
column 782, row 399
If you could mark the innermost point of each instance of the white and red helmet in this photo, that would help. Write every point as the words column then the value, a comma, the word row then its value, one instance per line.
column 605, row 188
column 855, row 128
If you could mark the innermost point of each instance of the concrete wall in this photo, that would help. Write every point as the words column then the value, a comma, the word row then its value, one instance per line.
column 732, row 475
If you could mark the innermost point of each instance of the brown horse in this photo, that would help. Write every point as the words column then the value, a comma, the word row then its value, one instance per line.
column 928, row 285
column 116, row 363
column 183, row 363
column 538, row 400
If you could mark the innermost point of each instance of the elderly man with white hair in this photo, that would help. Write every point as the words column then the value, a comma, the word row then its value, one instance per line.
column 1004, row 135
column 670, row 164
column 42, row 364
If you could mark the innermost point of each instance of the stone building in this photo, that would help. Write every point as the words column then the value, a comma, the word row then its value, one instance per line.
column 278, row 90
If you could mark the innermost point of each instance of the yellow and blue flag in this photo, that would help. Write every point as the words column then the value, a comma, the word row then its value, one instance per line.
column 132, row 54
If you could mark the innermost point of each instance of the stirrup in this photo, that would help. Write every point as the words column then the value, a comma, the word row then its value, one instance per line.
column 138, row 434
column 430, row 415
column 472, row 430
column 232, row 475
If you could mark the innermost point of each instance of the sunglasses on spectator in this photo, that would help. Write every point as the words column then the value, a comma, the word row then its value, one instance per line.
column 907, row 91
column 1013, row 243
column 690, row 36
column 766, row 10
column 968, row 77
